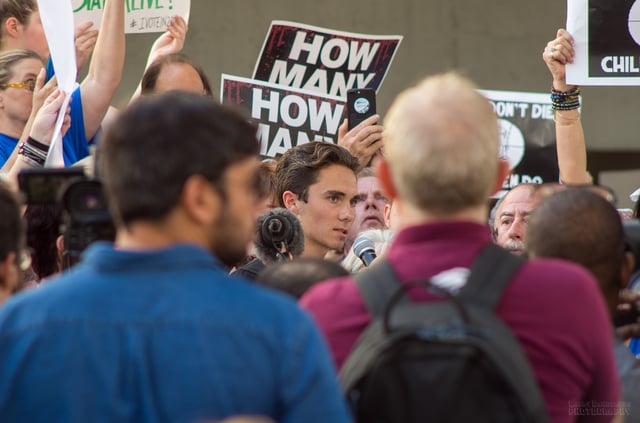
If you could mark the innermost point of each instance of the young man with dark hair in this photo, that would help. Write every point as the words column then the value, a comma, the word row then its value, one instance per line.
column 317, row 182
column 153, row 328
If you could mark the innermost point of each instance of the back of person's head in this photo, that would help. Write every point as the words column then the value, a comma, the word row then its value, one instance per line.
column 11, row 236
column 159, row 142
column 11, row 229
column 579, row 225
column 43, row 229
column 19, row 9
column 268, row 180
column 441, row 144
column 10, row 58
column 296, row 276
column 151, row 74
column 299, row 166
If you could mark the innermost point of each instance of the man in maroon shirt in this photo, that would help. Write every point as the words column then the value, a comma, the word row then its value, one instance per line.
column 441, row 164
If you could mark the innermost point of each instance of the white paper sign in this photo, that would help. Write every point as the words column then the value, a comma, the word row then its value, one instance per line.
column 140, row 15
column 57, row 21
column 607, row 42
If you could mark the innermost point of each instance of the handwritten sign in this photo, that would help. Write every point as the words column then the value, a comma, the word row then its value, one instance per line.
column 141, row 15
column 528, row 138
column 285, row 116
column 324, row 60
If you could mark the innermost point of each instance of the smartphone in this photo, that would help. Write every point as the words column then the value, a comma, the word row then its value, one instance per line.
column 361, row 104
column 42, row 186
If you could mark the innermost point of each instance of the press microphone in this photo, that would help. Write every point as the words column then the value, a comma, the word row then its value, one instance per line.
column 279, row 236
column 364, row 248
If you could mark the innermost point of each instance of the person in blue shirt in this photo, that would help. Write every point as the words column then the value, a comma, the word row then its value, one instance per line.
column 154, row 328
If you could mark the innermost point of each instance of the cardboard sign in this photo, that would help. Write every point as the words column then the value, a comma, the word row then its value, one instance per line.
column 286, row 117
column 141, row 15
column 528, row 136
column 324, row 60
column 607, row 36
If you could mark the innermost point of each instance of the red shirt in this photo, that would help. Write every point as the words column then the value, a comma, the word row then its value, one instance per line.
column 554, row 308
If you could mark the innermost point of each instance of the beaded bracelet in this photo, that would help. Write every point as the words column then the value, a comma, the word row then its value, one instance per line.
column 569, row 100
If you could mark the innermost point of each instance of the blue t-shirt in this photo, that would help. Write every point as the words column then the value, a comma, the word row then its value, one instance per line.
column 75, row 143
column 7, row 145
column 161, row 335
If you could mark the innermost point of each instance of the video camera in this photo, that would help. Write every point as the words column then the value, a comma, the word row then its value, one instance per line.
column 84, row 207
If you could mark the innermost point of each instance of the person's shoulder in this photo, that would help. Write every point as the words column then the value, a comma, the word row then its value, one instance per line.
column 337, row 292
column 37, row 306
column 555, row 271
column 555, row 282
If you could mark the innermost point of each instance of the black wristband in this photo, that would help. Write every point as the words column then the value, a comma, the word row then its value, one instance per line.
column 36, row 144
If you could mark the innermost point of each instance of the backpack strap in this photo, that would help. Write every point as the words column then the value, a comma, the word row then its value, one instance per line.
column 377, row 285
column 490, row 274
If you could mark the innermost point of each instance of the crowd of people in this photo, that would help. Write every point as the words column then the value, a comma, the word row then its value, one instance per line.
column 228, row 290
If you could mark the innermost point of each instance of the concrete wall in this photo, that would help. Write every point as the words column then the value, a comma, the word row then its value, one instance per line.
column 496, row 43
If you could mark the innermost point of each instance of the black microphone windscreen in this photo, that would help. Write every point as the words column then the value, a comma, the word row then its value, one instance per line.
column 274, row 227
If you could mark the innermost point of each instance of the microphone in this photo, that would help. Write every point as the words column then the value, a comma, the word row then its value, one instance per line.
column 364, row 248
column 279, row 236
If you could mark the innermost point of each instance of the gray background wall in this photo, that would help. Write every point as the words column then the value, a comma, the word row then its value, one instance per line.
column 497, row 43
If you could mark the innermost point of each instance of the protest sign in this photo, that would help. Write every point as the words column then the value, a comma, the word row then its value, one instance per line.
column 285, row 116
column 141, row 15
column 324, row 60
column 527, row 136
column 57, row 22
column 607, row 36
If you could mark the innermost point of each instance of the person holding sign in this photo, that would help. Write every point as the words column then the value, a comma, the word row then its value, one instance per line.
column 570, row 144
column 89, row 102
column 363, row 141
column 21, row 27
column 510, row 215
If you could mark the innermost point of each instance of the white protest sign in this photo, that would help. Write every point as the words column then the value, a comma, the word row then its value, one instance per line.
column 140, row 15
column 285, row 116
column 607, row 42
column 324, row 60
column 528, row 139
column 57, row 21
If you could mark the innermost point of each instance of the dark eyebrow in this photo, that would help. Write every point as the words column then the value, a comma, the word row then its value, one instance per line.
column 332, row 192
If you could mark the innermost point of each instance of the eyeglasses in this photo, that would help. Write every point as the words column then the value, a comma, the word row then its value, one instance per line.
column 27, row 85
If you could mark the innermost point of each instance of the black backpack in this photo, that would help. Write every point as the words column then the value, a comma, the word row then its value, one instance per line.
column 441, row 361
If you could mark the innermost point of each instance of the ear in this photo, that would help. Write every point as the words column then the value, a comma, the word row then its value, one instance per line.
column 503, row 172
column 12, row 27
column 60, row 244
column 626, row 270
column 386, row 180
column 290, row 202
column 201, row 202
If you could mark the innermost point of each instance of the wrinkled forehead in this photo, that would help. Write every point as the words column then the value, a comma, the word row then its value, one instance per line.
column 368, row 184
column 521, row 198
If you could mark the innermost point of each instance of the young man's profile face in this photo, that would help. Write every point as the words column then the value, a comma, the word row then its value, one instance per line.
column 327, row 214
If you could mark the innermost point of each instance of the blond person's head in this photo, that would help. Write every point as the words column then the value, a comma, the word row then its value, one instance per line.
column 441, row 144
